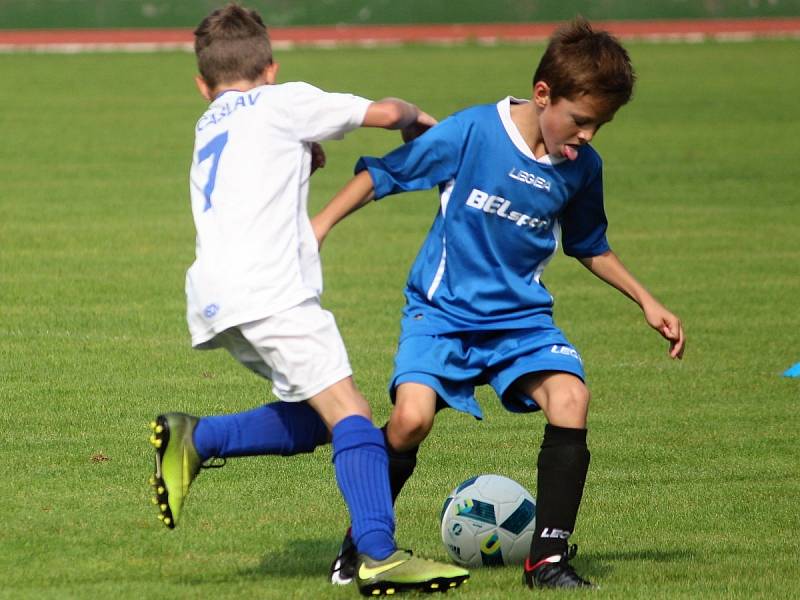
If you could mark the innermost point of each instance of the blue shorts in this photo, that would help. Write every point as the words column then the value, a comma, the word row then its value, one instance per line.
column 454, row 364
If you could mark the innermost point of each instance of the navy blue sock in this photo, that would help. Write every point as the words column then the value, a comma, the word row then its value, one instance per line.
column 283, row 428
column 361, row 465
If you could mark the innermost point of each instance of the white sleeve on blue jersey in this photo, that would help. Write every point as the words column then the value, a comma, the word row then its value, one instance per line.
column 583, row 222
column 316, row 115
column 430, row 160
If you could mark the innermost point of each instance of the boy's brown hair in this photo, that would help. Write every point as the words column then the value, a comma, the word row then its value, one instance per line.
column 231, row 43
column 579, row 60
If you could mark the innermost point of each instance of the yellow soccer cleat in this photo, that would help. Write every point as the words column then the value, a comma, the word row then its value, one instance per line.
column 403, row 572
column 176, row 464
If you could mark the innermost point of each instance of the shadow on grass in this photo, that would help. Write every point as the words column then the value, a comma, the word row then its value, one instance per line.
column 306, row 557
column 309, row 558
column 602, row 563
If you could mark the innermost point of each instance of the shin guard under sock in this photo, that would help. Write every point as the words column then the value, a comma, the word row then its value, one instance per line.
column 562, row 467
column 360, row 462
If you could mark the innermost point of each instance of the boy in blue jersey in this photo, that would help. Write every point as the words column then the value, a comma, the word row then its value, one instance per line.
column 254, row 290
column 516, row 179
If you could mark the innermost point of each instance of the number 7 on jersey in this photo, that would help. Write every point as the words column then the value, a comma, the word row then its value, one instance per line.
column 213, row 150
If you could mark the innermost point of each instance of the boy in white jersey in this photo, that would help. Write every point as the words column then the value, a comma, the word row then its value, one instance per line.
column 516, row 180
column 254, row 290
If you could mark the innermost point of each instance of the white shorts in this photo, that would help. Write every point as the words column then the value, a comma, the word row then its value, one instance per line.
column 300, row 350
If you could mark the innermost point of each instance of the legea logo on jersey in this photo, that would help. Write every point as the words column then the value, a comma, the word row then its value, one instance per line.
column 566, row 351
column 497, row 205
column 211, row 310
column 538, row 182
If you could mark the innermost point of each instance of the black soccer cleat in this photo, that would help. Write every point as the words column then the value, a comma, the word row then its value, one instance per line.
column 343, row 568
column 554, row 572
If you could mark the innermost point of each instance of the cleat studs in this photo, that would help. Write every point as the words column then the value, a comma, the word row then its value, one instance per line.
column 152, row 424
column 167, row 521
column 453, row 584
column 152, row 480
column 157, row 443
column 390, row 591
column 163, row 507
column 154, row 500
column 159, row 428
column 160, row 489
column 376, row 592
column 434, row 586
column 161, row 517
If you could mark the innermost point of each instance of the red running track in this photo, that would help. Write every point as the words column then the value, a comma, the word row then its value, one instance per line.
column 146, row 39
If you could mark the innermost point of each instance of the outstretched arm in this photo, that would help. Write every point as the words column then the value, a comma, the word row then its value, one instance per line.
column 358, row 192
column 610, row 269
column 393, row 113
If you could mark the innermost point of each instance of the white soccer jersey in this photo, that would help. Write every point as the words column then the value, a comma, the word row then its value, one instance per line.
column 256, row 253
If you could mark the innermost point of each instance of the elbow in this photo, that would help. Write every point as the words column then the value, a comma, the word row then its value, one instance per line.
column 393, row 116
column 389, row 113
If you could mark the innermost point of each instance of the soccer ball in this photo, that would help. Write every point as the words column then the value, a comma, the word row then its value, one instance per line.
column 488, row 520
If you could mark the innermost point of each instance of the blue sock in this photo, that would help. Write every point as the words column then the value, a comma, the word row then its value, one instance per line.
column 283, row 428
column 361, row 465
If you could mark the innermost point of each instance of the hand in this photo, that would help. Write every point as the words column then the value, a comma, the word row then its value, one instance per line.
column 417, row 128
column 317, row 157
column 669, row 326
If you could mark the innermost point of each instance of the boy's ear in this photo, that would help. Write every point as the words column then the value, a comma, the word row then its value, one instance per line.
column 202, row 87
column 271, row 73
column 541, row 94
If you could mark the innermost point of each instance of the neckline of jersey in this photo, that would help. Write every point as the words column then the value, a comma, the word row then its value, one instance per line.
column 504, row 110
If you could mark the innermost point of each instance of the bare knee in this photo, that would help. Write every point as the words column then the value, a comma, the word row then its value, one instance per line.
column 408, row 428
column 568, row 406
column 339, row 401
column 563, row 397
column 412, row 416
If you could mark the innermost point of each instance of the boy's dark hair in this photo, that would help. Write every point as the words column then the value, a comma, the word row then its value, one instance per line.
column 579, row 60
column 232, row 43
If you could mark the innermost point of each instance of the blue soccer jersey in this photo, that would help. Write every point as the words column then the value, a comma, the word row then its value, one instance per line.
column 503, row 215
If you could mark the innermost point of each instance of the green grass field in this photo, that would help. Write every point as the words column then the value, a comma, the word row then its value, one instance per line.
column 695, row 479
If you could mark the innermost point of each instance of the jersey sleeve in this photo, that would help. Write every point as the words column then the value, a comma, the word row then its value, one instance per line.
column 316, row 115
column 421, row 164
column 583, row 222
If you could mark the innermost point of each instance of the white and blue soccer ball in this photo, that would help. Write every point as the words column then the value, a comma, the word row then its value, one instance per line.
column 488, row 520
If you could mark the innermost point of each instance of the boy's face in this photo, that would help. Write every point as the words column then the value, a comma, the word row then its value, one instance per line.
column 567, row 124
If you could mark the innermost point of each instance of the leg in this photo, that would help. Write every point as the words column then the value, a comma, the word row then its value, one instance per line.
column 409, row 424
column 562, row 466
column 184, row 443
column 410, row 421
column 360, row 460
column 412, row 417
column 301, row 351
column 361, row 465
column 563, row 397
column 284, row 428
column 305, row 358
